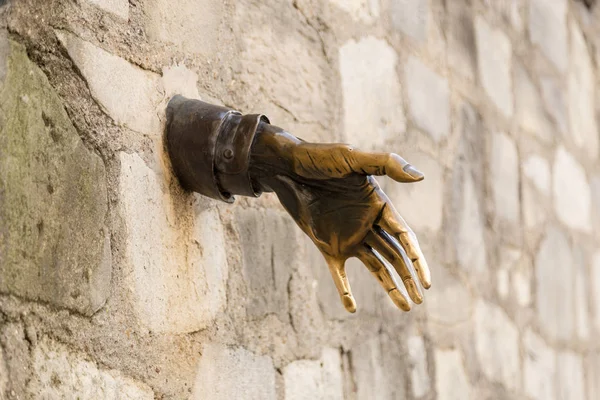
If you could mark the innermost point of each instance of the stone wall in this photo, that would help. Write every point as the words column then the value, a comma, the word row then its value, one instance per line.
column 115, row 283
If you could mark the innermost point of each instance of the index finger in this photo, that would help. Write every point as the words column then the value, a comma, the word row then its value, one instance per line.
column 322, row 161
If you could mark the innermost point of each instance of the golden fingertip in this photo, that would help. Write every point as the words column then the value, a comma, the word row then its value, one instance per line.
column 349, row 303
column 399, row 300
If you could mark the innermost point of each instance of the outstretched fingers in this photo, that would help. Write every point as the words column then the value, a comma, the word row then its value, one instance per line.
column 384, row 276
column 340, row 279
column 385, row 245
column 394, row 224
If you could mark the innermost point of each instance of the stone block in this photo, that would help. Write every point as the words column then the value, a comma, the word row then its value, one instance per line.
column 177, row 280
column 539, row 367
column 428, row 99
column 359, row 10
column 281, row 65
column 570, row 379
column 441, row 303
column 127, row 93
column 555, row 103
column 178, row 79
column 410, row 17
column 592, row 368
column 16, row 366
column 494, row 56
column 582, row 96
column 271, row 252
column 120, row 8
column 554, row 272
column 378, row 369
column 504, row 168
column 451, row 382
column 595, row 285
column 469, row 242
column 226, row 373
column 460, row 36
column 421, row 204
column 419, row 375
column 371, row 92
column 58, row 372
column 548, row 29
column 3, row 376
column 537, row 170
column 192, row 26
column 572, row 192
column 530, row 109
column 315, row 379
column 54, row 245
column 497, row 345
column 582, row 300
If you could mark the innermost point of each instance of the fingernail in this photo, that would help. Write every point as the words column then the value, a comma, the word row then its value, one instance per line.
column 411, row 287
column 413, row 172
column 399, row 300
column 349, row 303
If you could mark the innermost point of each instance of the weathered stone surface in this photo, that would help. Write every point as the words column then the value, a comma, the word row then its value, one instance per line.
column 318, row 379
column 582, row 104
column 120, row 8
column 441, row 303
column 59, row 373
column 178, row 79
column 595, row 275
column 191, row 27
column 127, row 93
column 269, row 259
column 293, row 75
column 451, row 381
column 410, row 17
column 554, row 271
column 428, row 96
column 570, row 380
column 582, row 310
column 495, row 66
column 537, row 170
column 555, row 103
column 469, row 240
column 226, row 373
column 17, row 357
column 548, row 29
column 592, row 368
column 497, row 345
column 378, row 369
column 572, row 193
column 460, row 36
column 3, row 376
column 420, row 204
column 371, row 92
column 54, row 246
column 361, row 10
column 417, row 356
column 508, row 259
column 534, row 212
column 539, row 367
column 505, row 177
column 531, row 113
column 521, row 282
column 177, row 282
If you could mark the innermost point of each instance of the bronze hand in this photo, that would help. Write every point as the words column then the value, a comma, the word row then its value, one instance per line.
column 329, row 191
column 327, row 188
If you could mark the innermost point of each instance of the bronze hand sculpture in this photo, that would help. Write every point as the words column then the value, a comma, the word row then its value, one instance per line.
column 328, row 189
